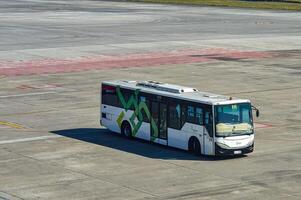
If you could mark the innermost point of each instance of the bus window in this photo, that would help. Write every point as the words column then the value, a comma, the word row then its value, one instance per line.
column 143, row 111
column 183, row 115
column 199, row 116
column 109, row 96
column 175, row 116
column 190, row 114
column 127, row 94
column 208, row 123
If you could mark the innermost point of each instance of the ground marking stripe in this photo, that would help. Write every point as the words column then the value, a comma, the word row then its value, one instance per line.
column 151, row 59
column 27, row 94
column 30, row 139
column 262, row 125
column 12, row 125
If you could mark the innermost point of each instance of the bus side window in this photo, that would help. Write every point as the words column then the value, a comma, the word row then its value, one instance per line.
column 199, row 116
column 175, row 116
column 190, row 114
column 145, row 100
column 183, row 114
column 127, row 94
column 208, row 123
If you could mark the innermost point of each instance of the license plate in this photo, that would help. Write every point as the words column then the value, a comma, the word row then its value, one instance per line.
column 237, row 152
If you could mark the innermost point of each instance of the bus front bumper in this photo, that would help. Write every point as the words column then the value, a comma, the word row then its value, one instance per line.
column 231, row 152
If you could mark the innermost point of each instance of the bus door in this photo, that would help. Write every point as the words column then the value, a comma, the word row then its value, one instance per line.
column 159, row 115
column 208, row 142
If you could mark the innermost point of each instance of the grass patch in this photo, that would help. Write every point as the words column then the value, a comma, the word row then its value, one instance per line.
column 276, row 5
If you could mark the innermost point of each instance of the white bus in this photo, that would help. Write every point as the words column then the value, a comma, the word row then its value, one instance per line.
column 177, row 116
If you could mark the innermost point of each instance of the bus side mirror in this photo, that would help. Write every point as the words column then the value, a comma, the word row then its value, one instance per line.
column 257, row 111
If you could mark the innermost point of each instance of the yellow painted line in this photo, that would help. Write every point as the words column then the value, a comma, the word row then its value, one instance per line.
column 12, row 125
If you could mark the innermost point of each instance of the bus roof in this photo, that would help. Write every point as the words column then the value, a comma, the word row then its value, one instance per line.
column 176, row 91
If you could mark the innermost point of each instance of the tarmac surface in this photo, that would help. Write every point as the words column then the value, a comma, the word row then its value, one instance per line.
column 53, row 55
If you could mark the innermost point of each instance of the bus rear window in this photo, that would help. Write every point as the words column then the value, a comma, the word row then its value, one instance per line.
column 109, row 96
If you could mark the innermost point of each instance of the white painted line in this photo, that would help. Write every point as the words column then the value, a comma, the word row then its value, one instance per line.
column 19, row 81
column 30, row 139
column 4, row 196
column 8, row 67
column 27, row 94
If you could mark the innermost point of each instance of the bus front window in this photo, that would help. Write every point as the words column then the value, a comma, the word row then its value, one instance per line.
column 233, row 119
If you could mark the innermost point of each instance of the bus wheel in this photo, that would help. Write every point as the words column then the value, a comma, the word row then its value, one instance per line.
column 194, row 146
column 126, row 130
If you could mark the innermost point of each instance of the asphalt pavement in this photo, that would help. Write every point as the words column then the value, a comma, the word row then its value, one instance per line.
column 53, row 55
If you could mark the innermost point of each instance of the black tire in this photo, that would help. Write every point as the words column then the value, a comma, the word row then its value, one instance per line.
column 126, row 130
column 194, row 146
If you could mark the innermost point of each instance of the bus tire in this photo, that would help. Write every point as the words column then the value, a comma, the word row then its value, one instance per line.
column 194, row 146
column 126, row 129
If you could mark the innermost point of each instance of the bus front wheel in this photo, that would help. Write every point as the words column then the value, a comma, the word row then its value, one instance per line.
column 126, row 129
column 194, row 146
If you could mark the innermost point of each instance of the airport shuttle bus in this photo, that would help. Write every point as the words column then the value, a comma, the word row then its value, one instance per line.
column 177, row 116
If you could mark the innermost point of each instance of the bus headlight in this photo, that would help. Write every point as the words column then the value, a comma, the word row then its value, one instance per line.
column 251, row 140
column 224, row 146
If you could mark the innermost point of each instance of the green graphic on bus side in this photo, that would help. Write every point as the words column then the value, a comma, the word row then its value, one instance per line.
column 133, row 100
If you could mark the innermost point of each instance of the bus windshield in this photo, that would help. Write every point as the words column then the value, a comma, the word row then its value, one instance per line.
column 233, row 119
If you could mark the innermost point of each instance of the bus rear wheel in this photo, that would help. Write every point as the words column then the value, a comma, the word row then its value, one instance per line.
column 194, row 146
column 126, row 130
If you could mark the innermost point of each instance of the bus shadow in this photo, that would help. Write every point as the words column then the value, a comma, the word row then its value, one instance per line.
column 104, row 137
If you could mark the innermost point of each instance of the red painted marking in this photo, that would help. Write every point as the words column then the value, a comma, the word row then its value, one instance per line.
column 123, row 61
column 46, row 86
column 25, row 87
column 262, row 125
column 51, row 85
